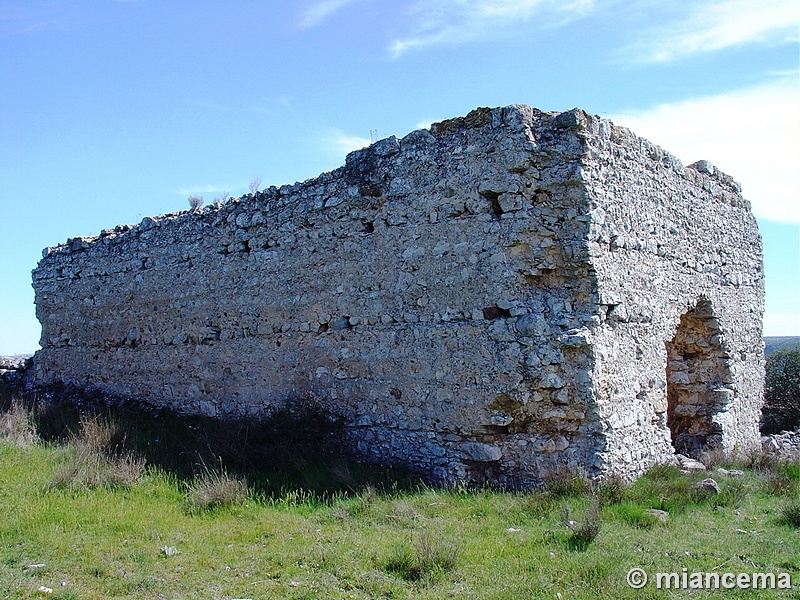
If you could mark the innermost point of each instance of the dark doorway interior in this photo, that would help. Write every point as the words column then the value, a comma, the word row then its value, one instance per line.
column 698, row 372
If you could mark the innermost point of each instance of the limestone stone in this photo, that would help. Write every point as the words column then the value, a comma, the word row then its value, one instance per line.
column 498, row 298
column 661, row 515
column 708, row 485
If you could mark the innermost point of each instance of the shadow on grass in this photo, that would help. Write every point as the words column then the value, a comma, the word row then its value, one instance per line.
column 298, row 451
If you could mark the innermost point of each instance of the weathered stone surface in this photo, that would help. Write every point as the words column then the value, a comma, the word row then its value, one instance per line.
column 730, row 472
column 12, row 371
column 505, row 295
column 784, row 446
column 690, row 464
column 17, row 362
column 661, row 515
column 708, row 485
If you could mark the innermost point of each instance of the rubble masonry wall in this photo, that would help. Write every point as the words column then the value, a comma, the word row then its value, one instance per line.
column 489, row 299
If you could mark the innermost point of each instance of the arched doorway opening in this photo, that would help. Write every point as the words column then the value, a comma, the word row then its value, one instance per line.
column 698, row 373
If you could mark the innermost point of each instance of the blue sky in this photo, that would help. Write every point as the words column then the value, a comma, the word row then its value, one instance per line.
column 112, row 110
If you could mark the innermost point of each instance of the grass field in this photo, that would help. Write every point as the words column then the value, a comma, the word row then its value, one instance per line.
column 84, row 519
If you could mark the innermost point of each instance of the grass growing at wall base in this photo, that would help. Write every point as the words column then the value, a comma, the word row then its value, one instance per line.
column 147, row 540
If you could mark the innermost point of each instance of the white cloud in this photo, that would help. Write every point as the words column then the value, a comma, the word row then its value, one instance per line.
column 459, row 21
column 753, row 134
column 321, row 10
column 340, row 143
column 711, row 26
column 781, row 323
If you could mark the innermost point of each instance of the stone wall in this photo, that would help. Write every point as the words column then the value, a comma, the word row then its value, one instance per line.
column 494, row 298
column 672, row 247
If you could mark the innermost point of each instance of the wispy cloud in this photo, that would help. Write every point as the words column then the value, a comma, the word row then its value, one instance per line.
column 715, row 25
column 753, row 134
column 338, row 142
column 459, row 21
column 17, row 21
column 22, row 29
column 319, row 11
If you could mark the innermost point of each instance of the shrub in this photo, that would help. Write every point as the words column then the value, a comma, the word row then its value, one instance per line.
column 717, row 458
column 567, row 484
column 538, row 503
column 791, row 470
column 195, row 202
column 583, row 532
column 777, row 483
column 103, row 434
column 254, row 183
column 403, row 562
column 790, row 514
column 403, row 510
column 425, row 559
column 781, row 410
column 56, row 421
column 87, row 467
column 611, row 490
column 733, row 491
column 761, row 461
column 17, row 425
column 221, row 198
column 663, row 472
column 216, row 487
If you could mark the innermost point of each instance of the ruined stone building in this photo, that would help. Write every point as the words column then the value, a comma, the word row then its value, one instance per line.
column 503, row 295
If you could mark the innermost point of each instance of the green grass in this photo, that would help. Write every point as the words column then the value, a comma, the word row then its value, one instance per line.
column 103, row 509
column 116, row 541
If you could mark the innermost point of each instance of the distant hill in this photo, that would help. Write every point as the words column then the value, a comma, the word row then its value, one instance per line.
column 778, row 342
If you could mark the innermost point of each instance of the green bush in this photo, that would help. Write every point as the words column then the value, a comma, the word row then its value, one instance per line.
column 781, row 410
column 790, row 514
column 425, row 559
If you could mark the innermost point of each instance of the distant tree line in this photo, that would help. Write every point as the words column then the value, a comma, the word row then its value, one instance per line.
column 781, row 410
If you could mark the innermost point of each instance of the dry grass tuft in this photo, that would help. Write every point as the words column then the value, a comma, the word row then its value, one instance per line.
column 104, row 435
column 566, row 483
column 17, row 426
column 215, row 487
column 583, row 532
column 403, row 510
column 89, row 468
column 427, row 558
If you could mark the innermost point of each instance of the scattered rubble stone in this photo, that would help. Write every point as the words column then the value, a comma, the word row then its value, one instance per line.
column 689, row 464
column 709, row 485
column 785, row 445
column 661, row 515
column 730, row 472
